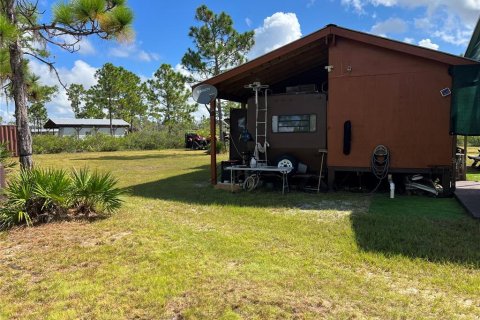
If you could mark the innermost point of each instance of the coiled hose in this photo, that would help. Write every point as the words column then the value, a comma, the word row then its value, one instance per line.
column 380, row 164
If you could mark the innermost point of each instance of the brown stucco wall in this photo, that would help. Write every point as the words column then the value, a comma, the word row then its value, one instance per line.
column 391, row 98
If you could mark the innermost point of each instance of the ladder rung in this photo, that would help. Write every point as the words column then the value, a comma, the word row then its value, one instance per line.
column 261, row 122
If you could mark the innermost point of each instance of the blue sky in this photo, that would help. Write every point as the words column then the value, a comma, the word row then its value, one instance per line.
column 162, row 27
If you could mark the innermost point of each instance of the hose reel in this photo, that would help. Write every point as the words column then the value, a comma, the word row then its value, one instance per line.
column 380, row 163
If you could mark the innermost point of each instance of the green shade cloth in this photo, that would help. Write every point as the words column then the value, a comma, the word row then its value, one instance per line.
column 473, row 49
column 465, row 110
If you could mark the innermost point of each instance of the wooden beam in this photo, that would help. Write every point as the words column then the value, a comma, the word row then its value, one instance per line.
column 465, row 148
column 213, row 143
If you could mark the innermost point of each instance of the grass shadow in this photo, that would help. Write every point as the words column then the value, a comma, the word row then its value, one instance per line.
column 194, row 188
column 129, row 157
column 473, row 174
column 437, row 230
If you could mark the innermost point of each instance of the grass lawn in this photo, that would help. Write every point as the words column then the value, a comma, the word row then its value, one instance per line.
column 473, row 174
column 180, row 249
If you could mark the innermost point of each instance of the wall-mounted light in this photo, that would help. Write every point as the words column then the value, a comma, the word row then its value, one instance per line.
column 349, row 69
column 329, row 68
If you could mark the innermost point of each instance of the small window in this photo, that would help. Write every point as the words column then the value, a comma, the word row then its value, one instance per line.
column 294, row 123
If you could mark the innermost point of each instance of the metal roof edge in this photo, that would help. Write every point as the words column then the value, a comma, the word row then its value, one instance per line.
column 274, row 54
column 332, row 29
column 66, row 122
column 401, row 46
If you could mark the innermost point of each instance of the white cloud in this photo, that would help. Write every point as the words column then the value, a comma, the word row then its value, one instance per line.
column 81, row 73
column 133, row 51
column 391, row 25
column 83, row 47
column 122, row 51
column 310, row 3
column 277, row 30
column 356, row 4
column 408, row 40
column 427, row 43
column 146, row 56
column 424, row 23
column 466, row 9
column 248, row 22
column 181, row 69
column 451, row 21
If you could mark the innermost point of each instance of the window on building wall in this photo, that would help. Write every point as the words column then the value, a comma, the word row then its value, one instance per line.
column 294, row 123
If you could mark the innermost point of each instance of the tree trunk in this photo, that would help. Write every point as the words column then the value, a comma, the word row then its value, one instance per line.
column 111, row 120
column 19, row 96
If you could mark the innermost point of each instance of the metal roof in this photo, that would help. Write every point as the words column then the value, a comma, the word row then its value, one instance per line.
column 55, row 123
column 308, row 53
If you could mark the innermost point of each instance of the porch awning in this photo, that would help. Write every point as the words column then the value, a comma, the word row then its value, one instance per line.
column 465, row 110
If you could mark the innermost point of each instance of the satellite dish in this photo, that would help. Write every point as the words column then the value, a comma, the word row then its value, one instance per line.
column 204, row 93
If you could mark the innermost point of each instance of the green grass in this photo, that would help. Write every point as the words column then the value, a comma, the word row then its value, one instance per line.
column 179, row 248
column 473, row 174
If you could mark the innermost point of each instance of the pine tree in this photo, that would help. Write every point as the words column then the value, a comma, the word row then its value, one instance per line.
column 22, row 29
column 118, row 91
column 76, row 94
column 169, row 96
column 218, row 47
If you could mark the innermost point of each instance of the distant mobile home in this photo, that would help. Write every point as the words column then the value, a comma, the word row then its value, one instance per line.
column 83, row 127
column 347, row 92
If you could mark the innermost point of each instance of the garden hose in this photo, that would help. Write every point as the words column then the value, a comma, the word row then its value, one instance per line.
column 380, row 164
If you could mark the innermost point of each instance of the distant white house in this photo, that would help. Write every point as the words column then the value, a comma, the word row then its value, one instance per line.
column 84, row 127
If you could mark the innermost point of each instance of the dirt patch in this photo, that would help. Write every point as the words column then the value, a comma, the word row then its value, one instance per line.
column 247, row 300
column 54, row 236
column 105, row 238
column 326, row 209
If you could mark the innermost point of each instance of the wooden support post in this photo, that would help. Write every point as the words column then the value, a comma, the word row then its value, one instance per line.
column 331, row 178
column 465, row 149
column 213, row 144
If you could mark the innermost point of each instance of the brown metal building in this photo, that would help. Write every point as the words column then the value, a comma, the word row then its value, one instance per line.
column 388, row 90
column 8, row 135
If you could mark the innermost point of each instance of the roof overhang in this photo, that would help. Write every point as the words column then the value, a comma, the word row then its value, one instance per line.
column 307, row 53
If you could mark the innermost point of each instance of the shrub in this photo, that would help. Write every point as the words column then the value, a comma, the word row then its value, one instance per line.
column 10, row 217
column 94, row 192
column 99, row 143
column 40, row 195
column 221, row 147
column 55, row 144
column 5, row 157
column 142, row 140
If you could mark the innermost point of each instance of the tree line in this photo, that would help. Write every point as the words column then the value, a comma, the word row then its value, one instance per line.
column 120, row 93
column 26, row 32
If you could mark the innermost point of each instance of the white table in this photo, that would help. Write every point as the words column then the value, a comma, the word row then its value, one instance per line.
column 284, row 171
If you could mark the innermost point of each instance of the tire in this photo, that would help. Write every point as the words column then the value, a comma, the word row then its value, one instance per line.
column 286, row 160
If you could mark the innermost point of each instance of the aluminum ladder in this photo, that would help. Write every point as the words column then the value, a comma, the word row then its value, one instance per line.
column 261, row 127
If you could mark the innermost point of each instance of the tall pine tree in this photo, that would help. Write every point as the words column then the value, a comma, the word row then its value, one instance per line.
column 169, row 96
column 218, row 47
column 22, row 28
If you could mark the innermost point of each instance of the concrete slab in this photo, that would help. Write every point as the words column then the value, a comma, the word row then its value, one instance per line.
column 468, row 194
